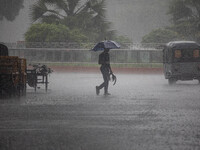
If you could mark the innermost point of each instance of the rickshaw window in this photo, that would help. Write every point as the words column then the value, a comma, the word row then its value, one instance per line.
column 196, row 53
column 186, row 55
column 177, row 54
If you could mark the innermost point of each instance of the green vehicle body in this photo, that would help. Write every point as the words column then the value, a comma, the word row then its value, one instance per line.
column 181, row 61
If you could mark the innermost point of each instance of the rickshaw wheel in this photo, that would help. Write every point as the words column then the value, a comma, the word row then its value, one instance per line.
column 171, row 81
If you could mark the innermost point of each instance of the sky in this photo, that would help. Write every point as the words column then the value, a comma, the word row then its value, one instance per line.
column 131, row 18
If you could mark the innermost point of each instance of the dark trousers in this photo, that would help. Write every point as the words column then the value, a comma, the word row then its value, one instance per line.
column 106, row 78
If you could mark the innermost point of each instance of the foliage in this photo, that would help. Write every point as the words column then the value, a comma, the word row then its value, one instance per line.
column 160, row 36
column 10, row 8
column 184, row 10
column 53, row 33
column 88, row 17
column 185, row 16
column 178, row 10
column 186, row 30
column 123, row 41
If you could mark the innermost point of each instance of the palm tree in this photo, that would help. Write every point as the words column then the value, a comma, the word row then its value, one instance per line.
column 87, row 16
column 10, row 9
column 184, row 10
column 186, row 18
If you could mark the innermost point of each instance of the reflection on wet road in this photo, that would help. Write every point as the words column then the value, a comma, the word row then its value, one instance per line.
column 142, row 113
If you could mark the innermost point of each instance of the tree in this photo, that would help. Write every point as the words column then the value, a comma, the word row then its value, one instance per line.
column 160, row 36
column 123, row 41
column 186, row 18
column 10, row 9
column 43, row 32
column 89, row 16
column 184, row 10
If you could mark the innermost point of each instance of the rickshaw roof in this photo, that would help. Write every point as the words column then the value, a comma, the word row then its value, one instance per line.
column 182, row 44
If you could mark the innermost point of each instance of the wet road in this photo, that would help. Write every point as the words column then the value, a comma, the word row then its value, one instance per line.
column 143, row 113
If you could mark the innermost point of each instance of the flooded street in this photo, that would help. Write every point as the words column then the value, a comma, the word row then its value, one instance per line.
column 142, row 113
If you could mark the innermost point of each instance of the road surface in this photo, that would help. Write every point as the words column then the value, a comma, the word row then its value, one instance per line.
column 143, row 113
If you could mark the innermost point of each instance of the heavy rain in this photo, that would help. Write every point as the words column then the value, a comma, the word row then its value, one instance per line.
column 57, row 56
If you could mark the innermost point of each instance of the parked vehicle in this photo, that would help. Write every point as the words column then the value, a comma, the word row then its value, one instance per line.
column 181, row 61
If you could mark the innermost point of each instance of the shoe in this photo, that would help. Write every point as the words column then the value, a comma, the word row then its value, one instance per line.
column 107, row 94
column 97, row 90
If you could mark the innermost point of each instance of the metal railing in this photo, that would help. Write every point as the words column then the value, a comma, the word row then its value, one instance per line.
column 131, row 46
column 84, row 55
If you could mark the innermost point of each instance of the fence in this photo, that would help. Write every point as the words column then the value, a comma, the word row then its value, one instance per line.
column 131, row 46
column 84, row 55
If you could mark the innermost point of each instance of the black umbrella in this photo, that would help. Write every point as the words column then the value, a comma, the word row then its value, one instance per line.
column 107, row 44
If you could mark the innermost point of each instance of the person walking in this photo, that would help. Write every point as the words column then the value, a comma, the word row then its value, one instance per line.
column 104, row 61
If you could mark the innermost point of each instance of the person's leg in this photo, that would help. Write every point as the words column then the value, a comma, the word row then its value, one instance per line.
column 107, row 77
column 106, row 87
column 101, row 85
column 104, row 84
column 104, row 79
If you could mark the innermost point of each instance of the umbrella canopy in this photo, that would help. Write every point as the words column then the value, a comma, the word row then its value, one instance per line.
column 106, row 45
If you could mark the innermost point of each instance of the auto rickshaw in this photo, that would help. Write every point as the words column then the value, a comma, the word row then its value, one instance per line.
column 181, row 61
